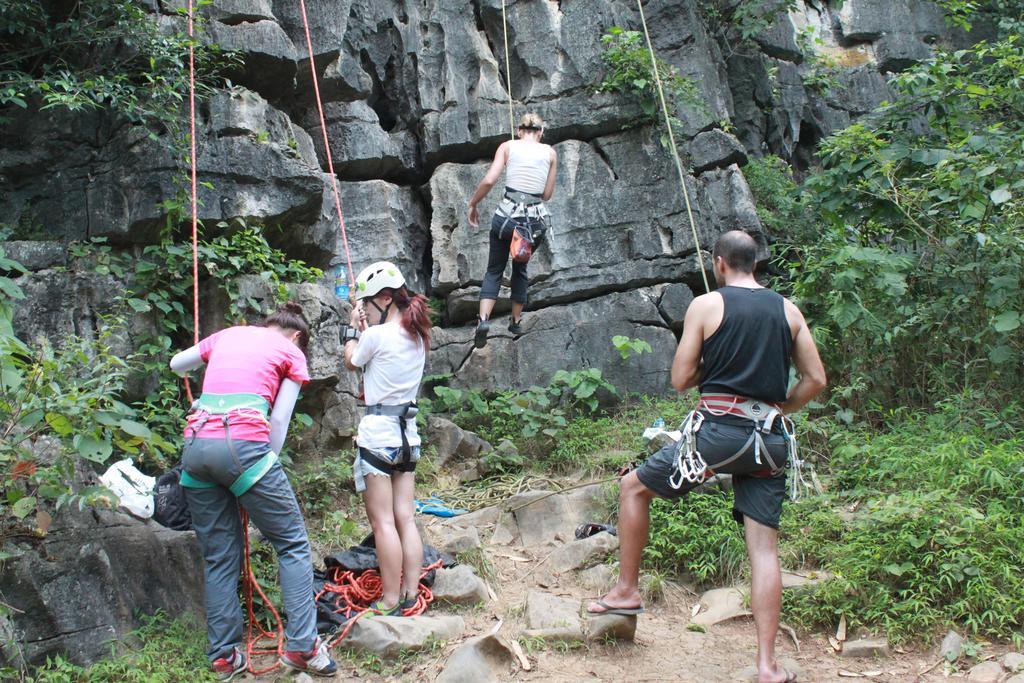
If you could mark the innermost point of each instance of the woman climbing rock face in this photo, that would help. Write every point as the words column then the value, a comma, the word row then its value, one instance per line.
column 394, row 336
column 530, row 171
column 235, row 430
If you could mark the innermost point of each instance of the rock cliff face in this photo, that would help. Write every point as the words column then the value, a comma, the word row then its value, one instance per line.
column 416, row 103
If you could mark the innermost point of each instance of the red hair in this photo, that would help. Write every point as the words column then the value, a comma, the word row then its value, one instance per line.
column 415, row 313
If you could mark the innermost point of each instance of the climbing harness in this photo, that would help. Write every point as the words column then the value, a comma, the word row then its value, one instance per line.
column 528, row 216
column 402, row 411
column 690, row 466
column 225, row 406
column 672, row 143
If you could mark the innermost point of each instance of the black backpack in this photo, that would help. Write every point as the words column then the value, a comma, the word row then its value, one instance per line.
column 170, row 507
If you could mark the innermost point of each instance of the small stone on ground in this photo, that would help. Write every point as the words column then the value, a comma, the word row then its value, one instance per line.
column 952, row 646
column 460, row 540
column 719, row 605
column 459, row 586
column 865, row 648
column 390, row 635
column 1013, row 662
column 584, row 552
column 611, row 627
column 986, row 672
column 478, row 660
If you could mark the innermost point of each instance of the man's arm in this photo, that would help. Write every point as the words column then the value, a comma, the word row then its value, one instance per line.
column 687, row 365
column 807, row 362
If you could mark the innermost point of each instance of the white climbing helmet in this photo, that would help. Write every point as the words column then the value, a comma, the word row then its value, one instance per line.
column 378, row 276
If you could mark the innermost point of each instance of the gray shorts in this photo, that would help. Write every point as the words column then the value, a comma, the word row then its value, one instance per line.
column 362, row 469
column 757, row 493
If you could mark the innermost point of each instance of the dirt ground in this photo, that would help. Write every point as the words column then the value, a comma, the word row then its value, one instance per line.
column 663, row 650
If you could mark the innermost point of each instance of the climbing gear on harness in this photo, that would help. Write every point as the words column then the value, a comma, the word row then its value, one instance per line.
column 403, row 411
column 226, row 405
column 521, row 246
column 690, row 464
column 377, row 276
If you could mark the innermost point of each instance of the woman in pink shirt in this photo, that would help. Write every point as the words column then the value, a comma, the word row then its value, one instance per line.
column 234, row 432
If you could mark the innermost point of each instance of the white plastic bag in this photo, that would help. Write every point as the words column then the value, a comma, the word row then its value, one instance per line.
column 134, row 488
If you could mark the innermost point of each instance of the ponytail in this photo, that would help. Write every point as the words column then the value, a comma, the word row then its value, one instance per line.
column 415, row 314
column 289, row 317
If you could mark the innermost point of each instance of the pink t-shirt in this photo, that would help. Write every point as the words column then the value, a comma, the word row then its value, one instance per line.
column 246, row 360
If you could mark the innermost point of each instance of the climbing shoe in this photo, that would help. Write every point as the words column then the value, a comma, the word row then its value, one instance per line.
column 515, row 326
column 227, row 668
column 480, row 337
column 317, row 661
column 393, row 611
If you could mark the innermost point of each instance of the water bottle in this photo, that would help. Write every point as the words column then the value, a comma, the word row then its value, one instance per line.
column 658, row 424
column 341, row 283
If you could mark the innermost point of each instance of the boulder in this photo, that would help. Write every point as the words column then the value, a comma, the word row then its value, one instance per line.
column 672, row 305
column 583, row 553
column 607, row 627
column 387, row 636
column 878, row 647
column 1013, row 662
column 84, row 585
column 36, row 255
column 552, row 617
column 715, row 149
column 479, row 660
column 456, row 540
column 721, row 604
column 985, row 672
column 580, row 332
column 951, row 647
column 459, row 586
column 445, row 436
column 554, row 516
column 598, row 578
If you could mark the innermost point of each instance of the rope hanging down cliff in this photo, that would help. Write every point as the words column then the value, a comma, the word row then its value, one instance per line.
column 508, row 72
column 672, row 142
column 368, row 588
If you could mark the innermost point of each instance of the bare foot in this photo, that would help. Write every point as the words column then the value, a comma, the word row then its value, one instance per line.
column 616, row 599
column 777, row 674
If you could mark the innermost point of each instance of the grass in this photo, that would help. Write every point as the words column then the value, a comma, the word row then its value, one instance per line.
column 168, row 651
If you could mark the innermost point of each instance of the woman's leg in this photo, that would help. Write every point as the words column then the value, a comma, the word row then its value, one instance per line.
column 379, row 508
column 273, row 509
column 497, row 257
column 219, row 532
column 403, row 487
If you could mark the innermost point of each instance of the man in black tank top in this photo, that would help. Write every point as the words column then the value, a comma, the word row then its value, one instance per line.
column 737, row 346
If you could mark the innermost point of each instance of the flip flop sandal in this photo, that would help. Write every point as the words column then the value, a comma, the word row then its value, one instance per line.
column 621, row 611
column 592, row 528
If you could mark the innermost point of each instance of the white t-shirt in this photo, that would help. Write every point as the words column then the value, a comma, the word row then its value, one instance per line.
column 392, row 363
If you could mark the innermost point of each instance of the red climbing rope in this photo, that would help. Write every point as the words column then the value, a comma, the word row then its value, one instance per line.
column 277, row 635
column 354, row 593
column 327, row 146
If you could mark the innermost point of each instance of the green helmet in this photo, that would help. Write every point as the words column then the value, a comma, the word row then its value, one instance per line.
column 378, row 276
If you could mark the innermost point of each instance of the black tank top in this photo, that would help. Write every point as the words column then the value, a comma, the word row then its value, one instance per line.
column 750, row 351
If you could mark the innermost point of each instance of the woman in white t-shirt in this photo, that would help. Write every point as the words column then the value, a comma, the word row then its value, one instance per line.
column 530, row 168
column 391, row 349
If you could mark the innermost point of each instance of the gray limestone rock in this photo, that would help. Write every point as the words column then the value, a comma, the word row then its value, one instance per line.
column 36, row 255
column 1013, row 662
column 715, row 149
column 985, row 672
column 600, row 577
column 554, row 516
column 85, row 583
column 459, row 586
column 387, row 636
column 479, row 660
column 721, row 604
column 865, row 647
column 458, row 540
column 951, row 647
column 557, row 617
column 606, row 627
column 579, row 554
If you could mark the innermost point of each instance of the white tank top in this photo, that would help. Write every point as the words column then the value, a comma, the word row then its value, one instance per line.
column 528, row 166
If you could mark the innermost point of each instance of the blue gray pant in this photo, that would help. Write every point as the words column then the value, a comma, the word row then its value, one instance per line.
column 273, row 509
column 497, row 258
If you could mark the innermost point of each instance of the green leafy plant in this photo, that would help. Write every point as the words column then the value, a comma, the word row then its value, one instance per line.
column 628, row 71
column 628, row 347
column 97, row 54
